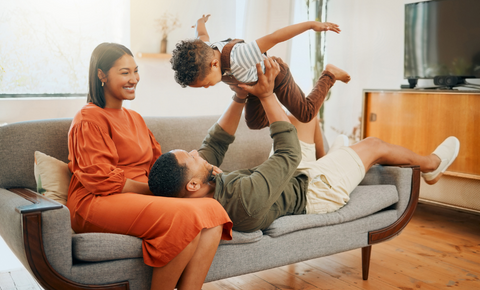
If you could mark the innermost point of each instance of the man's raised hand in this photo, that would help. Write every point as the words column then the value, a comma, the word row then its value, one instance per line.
column 266, row 81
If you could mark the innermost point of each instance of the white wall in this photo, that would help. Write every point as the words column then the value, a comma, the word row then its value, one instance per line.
column 26, row 109
column 370, row 48
column 158, row 94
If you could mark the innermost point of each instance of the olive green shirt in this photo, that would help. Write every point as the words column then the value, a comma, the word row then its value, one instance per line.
column 254, row 198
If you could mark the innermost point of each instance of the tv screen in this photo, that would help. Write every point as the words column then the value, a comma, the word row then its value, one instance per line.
column 442, row 38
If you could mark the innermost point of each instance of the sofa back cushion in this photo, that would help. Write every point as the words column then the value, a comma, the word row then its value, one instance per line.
column 251, row 147
column 19, row 141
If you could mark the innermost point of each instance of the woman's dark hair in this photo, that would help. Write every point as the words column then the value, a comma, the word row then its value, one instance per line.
column 167, row 177
column 103, row 57
column 190, row 61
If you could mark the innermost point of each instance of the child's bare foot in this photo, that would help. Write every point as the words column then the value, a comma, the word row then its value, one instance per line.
column 339, row 74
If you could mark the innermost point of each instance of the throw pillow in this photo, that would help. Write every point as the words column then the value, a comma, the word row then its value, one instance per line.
column 52, row 177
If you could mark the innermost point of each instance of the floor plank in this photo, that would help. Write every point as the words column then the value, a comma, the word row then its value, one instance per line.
column 6, row 281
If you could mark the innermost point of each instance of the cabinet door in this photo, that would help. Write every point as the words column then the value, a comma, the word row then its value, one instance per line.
column 420, row 121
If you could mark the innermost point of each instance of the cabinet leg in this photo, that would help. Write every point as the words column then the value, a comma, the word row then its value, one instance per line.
column 366, row 251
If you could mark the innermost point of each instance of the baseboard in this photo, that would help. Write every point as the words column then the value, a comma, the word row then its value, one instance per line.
column 449, row 206
column 453, row 192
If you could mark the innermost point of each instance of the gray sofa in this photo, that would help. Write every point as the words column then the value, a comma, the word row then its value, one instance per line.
column 37, row 229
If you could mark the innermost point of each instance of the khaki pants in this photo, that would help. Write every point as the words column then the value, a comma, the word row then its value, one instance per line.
column 331, row 178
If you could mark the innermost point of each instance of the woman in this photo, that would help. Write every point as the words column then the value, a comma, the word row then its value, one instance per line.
column 111, row 151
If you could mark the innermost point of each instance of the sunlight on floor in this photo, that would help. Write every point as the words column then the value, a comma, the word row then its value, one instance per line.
column 8, row 261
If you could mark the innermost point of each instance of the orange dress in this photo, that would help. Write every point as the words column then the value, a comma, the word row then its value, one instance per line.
column 107, row 146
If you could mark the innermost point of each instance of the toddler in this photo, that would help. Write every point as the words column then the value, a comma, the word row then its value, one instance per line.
column 199, row 63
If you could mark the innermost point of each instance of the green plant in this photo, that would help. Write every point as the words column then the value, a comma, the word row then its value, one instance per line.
column 319, row 8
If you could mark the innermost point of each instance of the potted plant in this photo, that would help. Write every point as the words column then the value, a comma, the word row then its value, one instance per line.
column 166, row 24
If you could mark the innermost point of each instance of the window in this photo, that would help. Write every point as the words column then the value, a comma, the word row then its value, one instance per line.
column 46, row 45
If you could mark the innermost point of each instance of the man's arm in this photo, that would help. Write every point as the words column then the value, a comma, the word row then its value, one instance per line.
column 231, row 117
column 201, row 30
column 284, row 34
column 264, row 91
column 216, row 142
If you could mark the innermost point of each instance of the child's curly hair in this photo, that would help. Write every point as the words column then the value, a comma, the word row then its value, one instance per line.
column 190, row 61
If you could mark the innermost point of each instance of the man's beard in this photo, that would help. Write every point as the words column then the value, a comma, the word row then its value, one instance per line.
column 209, row 177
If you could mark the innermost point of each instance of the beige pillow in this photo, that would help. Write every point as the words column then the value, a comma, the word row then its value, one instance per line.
column 52, row 177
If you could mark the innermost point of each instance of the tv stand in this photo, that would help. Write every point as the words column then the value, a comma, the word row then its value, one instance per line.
column 420, row 120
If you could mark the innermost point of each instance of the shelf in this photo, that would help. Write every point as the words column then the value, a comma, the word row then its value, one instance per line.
column 155, row 55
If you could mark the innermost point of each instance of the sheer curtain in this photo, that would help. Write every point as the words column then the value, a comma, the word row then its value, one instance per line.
column 45, row 46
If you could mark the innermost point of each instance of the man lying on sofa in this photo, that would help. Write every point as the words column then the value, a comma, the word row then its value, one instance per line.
column 286, row 183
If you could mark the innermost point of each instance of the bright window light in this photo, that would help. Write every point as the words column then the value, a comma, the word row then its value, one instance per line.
column 45, row 46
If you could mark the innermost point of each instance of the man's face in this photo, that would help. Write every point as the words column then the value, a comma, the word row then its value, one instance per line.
column 196, row 165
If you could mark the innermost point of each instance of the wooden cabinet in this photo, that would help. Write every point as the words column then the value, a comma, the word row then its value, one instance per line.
column 420, row 120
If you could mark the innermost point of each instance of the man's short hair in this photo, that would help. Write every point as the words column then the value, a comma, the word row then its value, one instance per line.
column 191, row 61
column 167, row 177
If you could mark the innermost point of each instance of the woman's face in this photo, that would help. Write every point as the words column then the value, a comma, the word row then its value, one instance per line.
column 121, row 82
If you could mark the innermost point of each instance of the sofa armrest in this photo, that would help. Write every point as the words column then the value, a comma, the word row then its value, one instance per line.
column 407, row 181
column 40, row 235
column 39, row 202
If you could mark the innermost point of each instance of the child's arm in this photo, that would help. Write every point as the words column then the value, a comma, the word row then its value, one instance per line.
column 283, row 34
column 201, row 30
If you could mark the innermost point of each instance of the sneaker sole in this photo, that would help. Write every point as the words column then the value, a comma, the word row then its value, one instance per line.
column 457, row 150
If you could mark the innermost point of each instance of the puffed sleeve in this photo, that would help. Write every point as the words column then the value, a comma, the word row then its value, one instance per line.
column 157, row 150
column 96, row 159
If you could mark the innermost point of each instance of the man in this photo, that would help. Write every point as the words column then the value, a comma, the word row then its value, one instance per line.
column 286, row 183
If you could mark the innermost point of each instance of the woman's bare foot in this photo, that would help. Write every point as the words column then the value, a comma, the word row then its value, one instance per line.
column 339, row 74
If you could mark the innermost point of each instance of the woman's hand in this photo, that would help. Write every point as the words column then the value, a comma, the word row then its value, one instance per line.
column 266, row 82
column 325, row 26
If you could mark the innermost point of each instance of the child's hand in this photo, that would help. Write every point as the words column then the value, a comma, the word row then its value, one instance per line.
column 203, row 18
column 325, row 26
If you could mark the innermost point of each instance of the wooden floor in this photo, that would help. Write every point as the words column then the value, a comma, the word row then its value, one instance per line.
column 18, row 280
column 439, row 249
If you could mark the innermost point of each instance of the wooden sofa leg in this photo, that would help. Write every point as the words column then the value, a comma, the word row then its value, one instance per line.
column 366, row 251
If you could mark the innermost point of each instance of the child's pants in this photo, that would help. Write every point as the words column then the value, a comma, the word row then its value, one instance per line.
column 292, row 97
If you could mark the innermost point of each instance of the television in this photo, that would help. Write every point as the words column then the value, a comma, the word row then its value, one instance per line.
column 442, row 38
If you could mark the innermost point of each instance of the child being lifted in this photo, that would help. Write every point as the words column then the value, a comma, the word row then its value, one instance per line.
column 199, row 63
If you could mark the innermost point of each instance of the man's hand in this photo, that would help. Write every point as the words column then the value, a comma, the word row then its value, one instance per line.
column 203, row 20
column 266, row 82
column 241, row 93
column 216, row 170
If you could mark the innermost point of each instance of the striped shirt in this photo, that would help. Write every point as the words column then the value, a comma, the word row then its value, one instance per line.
column 243, row 58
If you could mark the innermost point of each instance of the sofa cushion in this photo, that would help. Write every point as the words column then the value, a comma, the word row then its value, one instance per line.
column 52, row 177
column 95, row 247
column 243, row 238
column 360, row 205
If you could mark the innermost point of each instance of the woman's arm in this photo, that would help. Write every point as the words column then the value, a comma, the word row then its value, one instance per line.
column 136, row 186
column 201, row 30
column 284, row 34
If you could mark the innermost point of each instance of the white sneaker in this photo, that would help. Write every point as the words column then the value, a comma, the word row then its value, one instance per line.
column 340, row 141
column 447, row 152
